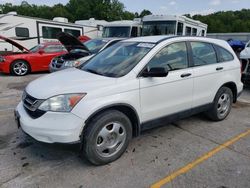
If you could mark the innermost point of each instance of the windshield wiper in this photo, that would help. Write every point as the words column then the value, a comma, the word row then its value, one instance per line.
column 93, row 71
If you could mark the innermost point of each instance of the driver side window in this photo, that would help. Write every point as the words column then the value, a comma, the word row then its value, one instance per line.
column 172, row 57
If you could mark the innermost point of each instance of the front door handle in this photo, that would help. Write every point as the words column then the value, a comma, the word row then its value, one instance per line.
column 186, row 75
column 219, row 68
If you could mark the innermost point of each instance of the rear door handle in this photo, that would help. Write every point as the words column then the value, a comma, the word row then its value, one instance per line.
column 219, row 68
column 186, row 75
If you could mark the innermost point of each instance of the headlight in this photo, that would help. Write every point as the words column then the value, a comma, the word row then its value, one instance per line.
column 61, row 103
column 71, row 63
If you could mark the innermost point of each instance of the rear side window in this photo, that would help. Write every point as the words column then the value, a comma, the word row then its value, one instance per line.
column 203, row 53
column 188, row 31
column 171, row 57
column 224, row 55
column 203, row 33
column 134, row 32
column 22, row 32
column 180, row 28
column 194, row 31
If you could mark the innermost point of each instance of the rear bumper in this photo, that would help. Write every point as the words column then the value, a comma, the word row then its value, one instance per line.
column 239, row 94
column 239, row 89
column 245, row 78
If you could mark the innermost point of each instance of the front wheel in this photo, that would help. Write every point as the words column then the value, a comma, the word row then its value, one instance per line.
column 106, row 137
column 20, row 68
column 222, row 104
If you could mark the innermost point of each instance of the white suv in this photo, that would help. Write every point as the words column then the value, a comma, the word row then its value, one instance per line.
column 134, row 85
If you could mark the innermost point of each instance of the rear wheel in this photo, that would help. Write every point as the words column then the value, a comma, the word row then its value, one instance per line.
column 106, row 137
column 222, row 104
column 20, row 68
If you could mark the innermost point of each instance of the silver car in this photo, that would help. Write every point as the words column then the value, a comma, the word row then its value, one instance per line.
column 80, row 50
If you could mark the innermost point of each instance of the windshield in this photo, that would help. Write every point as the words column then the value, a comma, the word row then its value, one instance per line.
column 119, row 31
column 95, row 45
column 158, row 28
column 36, row 48
column 117, row 60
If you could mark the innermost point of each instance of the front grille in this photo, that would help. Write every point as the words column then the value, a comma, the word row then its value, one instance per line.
column 31, row 105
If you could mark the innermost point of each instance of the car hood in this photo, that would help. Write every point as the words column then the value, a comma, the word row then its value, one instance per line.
column 17, row 45
column 70, row 42
column 245, row 54
column 71, row 80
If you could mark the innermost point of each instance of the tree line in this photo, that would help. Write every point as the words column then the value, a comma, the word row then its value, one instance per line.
column 226, row 21
column 110, row 10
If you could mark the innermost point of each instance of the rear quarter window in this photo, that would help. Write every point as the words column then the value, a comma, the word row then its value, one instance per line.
column 224, row 55
column 203, row 53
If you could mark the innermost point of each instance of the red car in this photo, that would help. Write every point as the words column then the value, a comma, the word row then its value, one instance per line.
column 25, row 61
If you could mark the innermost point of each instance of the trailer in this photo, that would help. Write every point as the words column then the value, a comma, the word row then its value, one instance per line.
column 30, row 31
column 172, row 25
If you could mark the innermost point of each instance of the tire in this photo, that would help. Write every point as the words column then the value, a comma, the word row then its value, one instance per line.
column 106, row 137
column 222, row 104
column 19, row 68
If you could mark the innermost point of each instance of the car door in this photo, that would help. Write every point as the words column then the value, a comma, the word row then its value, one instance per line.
column 207, row 72
column 163, row 96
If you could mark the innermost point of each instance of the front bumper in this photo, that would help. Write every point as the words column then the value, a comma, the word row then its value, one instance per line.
column 52, row 127
column 54, row 69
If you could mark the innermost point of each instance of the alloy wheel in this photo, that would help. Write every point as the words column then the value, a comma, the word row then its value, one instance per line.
column 20, row 68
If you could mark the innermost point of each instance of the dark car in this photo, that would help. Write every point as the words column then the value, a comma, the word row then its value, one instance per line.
column 237, row 45
column 78, row 50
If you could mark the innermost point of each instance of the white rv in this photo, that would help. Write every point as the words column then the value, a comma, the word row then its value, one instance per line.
column 172, row 25
column 123, row 28
column 96, row 24
column 30, row 31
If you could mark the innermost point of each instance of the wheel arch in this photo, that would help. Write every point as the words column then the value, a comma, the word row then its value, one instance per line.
column 127, row 109
column 233, row 87
column 20, row 60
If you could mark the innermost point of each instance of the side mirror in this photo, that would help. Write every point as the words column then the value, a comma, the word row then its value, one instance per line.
column 155, row 72
column 40, row 51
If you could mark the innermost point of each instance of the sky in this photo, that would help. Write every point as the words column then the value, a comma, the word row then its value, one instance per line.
column 176, row 7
